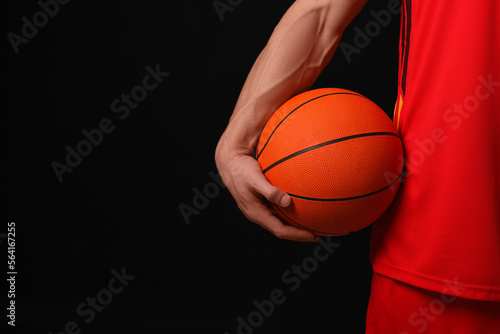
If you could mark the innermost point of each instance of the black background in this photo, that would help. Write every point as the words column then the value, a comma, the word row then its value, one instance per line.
column 119, row 207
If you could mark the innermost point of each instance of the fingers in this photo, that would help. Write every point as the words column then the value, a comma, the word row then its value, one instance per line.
column 282, row 231
column 253, row 192
column 262, row 215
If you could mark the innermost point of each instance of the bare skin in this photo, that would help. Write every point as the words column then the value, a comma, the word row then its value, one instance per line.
column 300, row 47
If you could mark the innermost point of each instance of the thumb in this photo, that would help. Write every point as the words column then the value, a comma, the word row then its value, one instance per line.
column 276, row 196
column 273, row 194
column 285, row 199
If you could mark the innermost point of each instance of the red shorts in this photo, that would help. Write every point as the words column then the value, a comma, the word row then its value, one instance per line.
column 399, row 308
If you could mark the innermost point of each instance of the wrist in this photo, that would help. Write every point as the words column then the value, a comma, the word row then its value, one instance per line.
column 240, row 136
column 233, row 143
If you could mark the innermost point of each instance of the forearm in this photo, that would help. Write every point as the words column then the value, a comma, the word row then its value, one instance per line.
column 300, row 47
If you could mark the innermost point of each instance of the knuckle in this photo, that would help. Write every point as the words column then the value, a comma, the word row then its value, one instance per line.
column 272, row 194
column 249, row 214
column 246, row 213
column 280, row 235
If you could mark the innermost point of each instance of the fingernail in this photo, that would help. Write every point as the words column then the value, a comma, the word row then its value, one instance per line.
column 285, row 200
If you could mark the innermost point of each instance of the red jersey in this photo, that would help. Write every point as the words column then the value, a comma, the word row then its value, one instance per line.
column 442, row 233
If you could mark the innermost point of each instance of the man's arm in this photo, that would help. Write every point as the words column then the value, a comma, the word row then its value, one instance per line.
column 300, row 47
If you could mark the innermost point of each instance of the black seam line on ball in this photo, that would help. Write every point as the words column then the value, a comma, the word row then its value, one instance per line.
column 361, row 135
column 291, row 112
column 309, row 229
column 347, row 198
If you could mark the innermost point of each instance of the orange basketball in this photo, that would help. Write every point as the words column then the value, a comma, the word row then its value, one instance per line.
column 335, row 152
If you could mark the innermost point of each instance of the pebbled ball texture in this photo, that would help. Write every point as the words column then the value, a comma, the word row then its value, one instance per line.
column 337, row 154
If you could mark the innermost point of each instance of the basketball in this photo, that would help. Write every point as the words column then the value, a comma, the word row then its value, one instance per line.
column 337, row 154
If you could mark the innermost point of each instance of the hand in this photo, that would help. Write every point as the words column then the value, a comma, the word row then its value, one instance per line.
column 243, row 177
